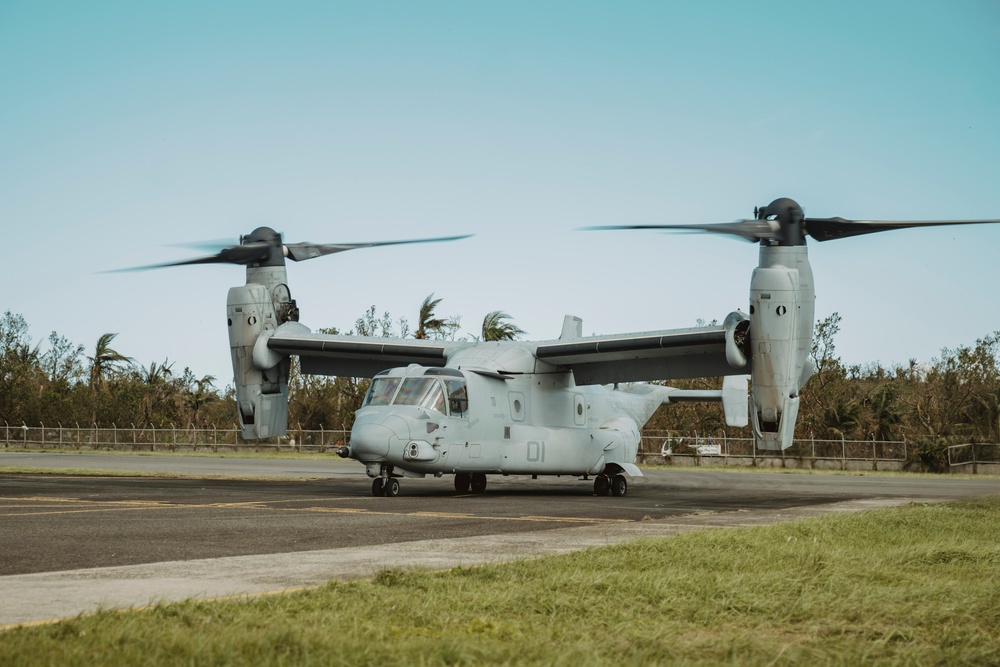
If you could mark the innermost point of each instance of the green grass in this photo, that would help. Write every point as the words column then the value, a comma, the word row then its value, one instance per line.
column 910, row 586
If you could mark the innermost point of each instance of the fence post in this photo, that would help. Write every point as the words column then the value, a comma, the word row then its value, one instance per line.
column 6, row 434
column 43, row 434
column 215, row 439
column 843, row 453
column 874, row 454
column 135, row 443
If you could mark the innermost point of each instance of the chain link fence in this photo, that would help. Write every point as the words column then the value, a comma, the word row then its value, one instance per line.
column 663, row 447
column 172, row 439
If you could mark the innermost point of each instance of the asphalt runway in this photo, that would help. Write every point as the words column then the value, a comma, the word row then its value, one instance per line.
column 71, row 543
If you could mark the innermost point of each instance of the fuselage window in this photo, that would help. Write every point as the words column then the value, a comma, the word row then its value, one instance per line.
column 381, row 390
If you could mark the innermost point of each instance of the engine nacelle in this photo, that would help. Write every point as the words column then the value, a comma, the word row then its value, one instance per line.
column 781, row 320
column 261, row 393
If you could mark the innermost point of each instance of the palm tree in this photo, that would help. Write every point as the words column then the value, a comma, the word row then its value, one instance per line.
column 427, row 321
column 158, row 374
column 201, row 393
column 494, row 328
column 105, row 361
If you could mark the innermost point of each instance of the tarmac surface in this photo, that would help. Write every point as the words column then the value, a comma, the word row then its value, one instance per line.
column 220, row 527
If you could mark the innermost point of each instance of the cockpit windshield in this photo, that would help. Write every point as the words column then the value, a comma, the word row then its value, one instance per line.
column 450, row 397
column 381, row 390
column 423, row 392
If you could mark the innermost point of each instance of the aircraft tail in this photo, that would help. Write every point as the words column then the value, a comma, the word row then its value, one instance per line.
column 733, row 396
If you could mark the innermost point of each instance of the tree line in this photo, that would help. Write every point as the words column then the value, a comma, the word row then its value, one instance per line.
column 953, row 398
column 68, row 383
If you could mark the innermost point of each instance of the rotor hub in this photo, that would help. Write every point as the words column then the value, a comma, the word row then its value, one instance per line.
column 789, row 217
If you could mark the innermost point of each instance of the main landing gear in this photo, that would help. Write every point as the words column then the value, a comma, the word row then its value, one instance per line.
column 607, row 485
column 465, row 481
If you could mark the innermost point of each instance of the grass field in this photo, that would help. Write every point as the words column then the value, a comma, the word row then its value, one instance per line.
column 912, row 586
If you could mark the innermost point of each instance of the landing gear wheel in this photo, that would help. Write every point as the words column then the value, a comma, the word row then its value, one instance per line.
column 478, row 482
column 462, row 482
column 378, row 487
column 602, row 485
column 391, row 487
column 619, row 486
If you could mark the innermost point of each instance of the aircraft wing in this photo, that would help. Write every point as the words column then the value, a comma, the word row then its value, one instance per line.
column 655, row 355
column 356, row 356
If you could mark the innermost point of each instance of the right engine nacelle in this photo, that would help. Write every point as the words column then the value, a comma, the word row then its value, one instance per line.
column 781, row 317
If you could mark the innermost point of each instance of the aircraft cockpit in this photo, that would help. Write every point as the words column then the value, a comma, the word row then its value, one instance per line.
column 441, row 389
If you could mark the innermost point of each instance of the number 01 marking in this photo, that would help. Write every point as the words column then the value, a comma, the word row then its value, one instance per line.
column 536, row 451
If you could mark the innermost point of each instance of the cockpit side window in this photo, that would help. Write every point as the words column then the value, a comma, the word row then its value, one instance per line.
column 458, row 398
column 381, row 390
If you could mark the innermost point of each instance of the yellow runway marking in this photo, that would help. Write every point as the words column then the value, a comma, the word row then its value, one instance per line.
column 83, row 506
column 461, row 515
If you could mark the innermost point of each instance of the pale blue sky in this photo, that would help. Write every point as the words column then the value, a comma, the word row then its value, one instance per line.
column 126, row 127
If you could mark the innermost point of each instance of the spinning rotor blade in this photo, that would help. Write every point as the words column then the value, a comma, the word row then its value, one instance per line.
column 782, row 222
column 298, row 252
column 748, row 230
column 241, row 254
column 827, row 229
column 264, row 246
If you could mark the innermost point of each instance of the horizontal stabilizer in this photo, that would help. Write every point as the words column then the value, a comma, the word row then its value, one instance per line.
column 733, row 396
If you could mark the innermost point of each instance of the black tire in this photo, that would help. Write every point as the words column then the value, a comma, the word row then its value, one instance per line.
column 602, row 485
column 378, row 488
column 462, row 482
column 619, row 486
column 478, row 484
column 391, row 487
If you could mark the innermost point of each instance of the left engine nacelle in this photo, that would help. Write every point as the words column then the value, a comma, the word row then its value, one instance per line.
column 261, row 393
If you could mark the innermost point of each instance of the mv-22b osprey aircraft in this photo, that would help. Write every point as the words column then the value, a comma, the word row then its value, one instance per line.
column 472, row 409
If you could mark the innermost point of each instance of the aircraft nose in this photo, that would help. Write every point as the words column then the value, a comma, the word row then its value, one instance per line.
column 370, row 442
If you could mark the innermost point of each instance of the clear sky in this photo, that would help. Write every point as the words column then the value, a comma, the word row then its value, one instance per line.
column 126, row 127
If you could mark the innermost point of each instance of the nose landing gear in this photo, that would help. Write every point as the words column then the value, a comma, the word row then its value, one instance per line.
column 385, row 484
